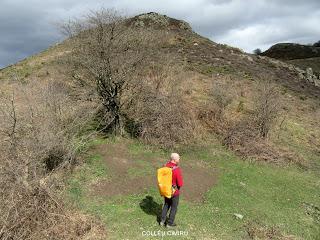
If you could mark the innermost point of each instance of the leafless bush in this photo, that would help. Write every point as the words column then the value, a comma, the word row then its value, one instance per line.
column 243, row 137
column 39, row 214
column 257, row 123
column 222, row 95
column 39, row 123
column 267, row 107
column 248, row 135
column 213, row 112
column 160, row 111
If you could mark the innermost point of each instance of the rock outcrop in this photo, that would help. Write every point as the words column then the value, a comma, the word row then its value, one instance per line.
column 311, row 77
column 159, row 21
column 305, row 75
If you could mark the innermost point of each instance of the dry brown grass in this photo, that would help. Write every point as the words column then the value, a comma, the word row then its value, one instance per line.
column 39, row 126
column 256, row 230
column 162, row 112
column 246, row 131
column 244, row 139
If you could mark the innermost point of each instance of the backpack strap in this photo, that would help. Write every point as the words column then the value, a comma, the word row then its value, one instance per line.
column 174, row 186
column 173, row 168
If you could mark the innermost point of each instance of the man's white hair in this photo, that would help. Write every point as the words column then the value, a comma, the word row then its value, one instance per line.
column 174, row 156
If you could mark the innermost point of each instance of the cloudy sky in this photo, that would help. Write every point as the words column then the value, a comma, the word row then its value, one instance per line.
column 27, row 27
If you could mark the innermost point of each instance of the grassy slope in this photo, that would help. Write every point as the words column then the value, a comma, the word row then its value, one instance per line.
column 265, row 195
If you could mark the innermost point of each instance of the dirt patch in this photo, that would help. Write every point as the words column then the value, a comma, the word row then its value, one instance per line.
column 116, row 157
column 198, row 179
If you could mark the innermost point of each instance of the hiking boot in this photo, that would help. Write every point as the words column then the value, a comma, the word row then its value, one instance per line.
column 171, row 225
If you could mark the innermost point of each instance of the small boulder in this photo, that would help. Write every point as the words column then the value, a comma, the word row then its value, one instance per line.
column 238, row 216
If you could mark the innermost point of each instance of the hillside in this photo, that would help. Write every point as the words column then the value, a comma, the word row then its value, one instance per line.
column 291, row 51
column 273, row 183
column 305, row 63
column 302, row 56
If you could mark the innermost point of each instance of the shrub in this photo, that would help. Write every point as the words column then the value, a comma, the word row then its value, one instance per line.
column 257, row 51
column 161, row 112
column 317, row 44
column 39, row 123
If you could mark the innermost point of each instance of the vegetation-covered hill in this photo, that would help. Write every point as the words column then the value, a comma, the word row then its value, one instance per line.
column 247, row 126
column 302, row 56
column 305, row 63
column 290, row 51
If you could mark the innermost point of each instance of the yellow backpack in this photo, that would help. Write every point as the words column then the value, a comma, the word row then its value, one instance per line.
column 164, row 175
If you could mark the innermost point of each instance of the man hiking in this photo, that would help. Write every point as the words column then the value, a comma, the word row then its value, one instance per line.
column 177, row 183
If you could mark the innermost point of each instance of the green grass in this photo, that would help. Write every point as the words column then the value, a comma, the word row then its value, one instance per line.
column 209, row 69
column 270, row 196
column 91, row 171
column 295, row 137
column 19, row 72
column 145, row 168
column 30, row 66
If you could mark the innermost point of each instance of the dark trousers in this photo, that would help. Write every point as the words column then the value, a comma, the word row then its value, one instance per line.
column 171, row 203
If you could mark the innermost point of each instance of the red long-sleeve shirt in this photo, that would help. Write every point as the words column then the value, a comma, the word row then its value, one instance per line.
column 177, row 179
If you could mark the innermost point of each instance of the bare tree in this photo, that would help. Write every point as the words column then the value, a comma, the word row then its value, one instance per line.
column 267, row 107
column 107, row 51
